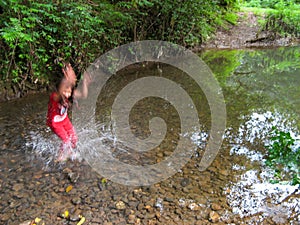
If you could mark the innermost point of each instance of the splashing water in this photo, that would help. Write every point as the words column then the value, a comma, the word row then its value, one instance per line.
column 42, row 149
column 43, row 146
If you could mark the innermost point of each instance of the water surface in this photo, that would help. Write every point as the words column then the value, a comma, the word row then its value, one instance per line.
column 261, row 90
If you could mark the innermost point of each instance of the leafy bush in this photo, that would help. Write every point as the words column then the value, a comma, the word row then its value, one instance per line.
column 282, row 17
column 273, row 4
column 36, row 34
column 284, row 157
column 284, row 21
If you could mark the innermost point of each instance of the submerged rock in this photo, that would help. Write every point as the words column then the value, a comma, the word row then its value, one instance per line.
column 214, row 217
column 120, row 205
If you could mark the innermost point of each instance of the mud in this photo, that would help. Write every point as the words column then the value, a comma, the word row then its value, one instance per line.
column 246, row 33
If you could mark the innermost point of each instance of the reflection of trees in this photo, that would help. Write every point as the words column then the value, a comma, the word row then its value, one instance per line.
column 258, row 79
column 261, row 89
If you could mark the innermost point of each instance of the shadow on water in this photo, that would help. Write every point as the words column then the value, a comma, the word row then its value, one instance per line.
column 261, row 89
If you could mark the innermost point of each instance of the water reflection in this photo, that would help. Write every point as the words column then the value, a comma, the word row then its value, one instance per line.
column 251, row 136
column 253, row 196
column 262, row 91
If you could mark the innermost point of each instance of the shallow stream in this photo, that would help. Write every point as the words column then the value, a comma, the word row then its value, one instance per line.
column 261, row 90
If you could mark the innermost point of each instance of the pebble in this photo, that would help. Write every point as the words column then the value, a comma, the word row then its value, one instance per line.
column 5, row 216
column 131, row 219
column 193, row 206
column 214, row 217
column 184, row 182
column 149, row 216
column 120, row 205
column 224, row 172
column 216, row 207
column 26, row 223
column 76, row 200
column 18, row 187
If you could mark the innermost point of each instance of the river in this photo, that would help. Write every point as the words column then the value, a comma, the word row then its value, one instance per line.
column 261, row 90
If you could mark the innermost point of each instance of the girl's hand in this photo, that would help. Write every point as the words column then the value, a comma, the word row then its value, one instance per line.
column 69, row 73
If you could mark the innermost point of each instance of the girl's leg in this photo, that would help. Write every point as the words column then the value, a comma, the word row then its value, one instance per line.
column 60, row 131
column 73, row 139
column 71, row 132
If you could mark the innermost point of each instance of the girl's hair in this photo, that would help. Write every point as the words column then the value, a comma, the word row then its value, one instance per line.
column 67, row 84
column 63, row 81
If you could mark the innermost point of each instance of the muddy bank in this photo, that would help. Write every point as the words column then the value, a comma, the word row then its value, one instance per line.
column 246, row 33
column 10, row 91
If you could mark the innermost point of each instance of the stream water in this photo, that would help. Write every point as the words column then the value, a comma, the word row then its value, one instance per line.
column 261, row 90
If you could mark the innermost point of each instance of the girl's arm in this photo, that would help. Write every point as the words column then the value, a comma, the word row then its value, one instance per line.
column 71, row 76
column 69, row 73
column 83, row 93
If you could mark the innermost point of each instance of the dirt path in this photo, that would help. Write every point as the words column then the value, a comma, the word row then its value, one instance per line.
column 246, row 33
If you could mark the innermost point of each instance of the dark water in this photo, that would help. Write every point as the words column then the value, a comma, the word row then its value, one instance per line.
column 261, row 90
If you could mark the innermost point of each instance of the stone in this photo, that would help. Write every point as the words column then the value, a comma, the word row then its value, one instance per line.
column 149, row 216
column 97, row 220
column 185, row 182
column 224, row 172
column 131, row 217
column 120, row 205
column 5, row 217
column 216, row 207
column 26, row 223
column 148, row 207
column 169, row 199
column 193, row 206
column 140, row 206
column 108, row 223
column 76, row 201
column 131, row 221
column 214, row 217
column 18, row 187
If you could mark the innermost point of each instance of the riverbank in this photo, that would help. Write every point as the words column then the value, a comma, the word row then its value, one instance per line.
column 246, row 33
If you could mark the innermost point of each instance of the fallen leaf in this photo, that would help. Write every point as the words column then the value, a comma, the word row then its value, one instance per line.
column 82, row 220
column 65, row 214
column 69, row 188
column 103, row 180
column 37, row 220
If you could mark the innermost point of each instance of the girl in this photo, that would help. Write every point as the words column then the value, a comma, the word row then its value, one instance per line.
column 59, row 103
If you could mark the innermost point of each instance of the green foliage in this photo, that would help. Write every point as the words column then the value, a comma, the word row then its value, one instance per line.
column 231, row 17
column 282, row 17
column 269, row 3
column 284, row 157
column 35, row 34
column 284, row 21
column 183, row 22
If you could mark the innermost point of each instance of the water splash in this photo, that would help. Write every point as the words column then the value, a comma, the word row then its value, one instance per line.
column 42, row 148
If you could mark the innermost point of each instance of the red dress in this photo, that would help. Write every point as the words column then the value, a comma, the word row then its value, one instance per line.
column 59, row 122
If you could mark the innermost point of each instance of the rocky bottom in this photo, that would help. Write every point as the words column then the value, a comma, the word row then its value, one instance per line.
column 72, row 191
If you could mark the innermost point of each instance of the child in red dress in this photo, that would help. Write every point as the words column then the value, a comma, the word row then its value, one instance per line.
column 57, row 117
